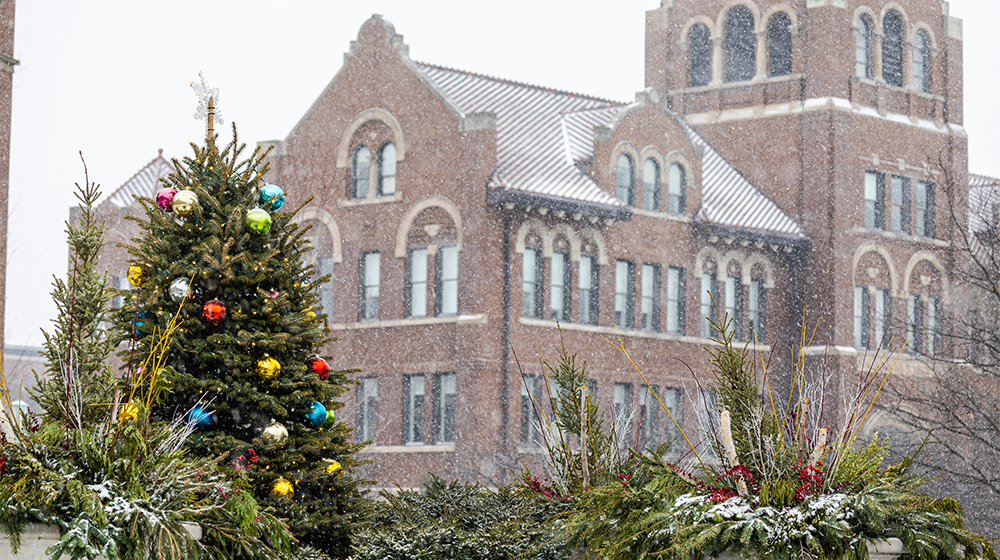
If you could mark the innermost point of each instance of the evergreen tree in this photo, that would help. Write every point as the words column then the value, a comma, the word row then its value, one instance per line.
column 248, row 311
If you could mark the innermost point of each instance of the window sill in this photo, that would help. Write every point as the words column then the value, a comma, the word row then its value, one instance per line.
column 479, row 318
column 409, row 449
column 662, row 215
column 902, row 236
column 876, row 82
column 613, row 331
column 743, row 83
column 373, row 199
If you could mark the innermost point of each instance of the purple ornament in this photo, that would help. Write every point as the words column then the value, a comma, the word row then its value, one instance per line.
column 165, row 197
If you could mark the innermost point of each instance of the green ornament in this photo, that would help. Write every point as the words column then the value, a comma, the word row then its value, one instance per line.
column 258, row 221
column 330, row 419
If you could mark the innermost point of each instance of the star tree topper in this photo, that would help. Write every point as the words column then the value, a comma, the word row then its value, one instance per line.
column 207, row 98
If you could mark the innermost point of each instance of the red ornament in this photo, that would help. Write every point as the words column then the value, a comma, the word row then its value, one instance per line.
column 318, row 366
column 214, row 312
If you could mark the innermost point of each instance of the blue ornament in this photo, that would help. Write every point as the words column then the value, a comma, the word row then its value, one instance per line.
column 272, row 197
column 143, row 323
column 202, row 418
column 315, row 415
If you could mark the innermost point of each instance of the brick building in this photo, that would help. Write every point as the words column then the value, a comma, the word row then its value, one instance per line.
column 779, row 157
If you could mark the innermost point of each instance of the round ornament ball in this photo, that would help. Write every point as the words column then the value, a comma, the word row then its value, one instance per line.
column 268, row 368
column 331, row 419
column 258, row 221
column 135, row 275
column 282, row 488
column 202, row 419
column 315, row 415
column 334, row 468
column 214, row 312
column 272, row 197
column 275, row 434
column 184, row 203
column 165, row 197
column 318, row 366
column 128, row 411
column 180, row 288
column 143, row 323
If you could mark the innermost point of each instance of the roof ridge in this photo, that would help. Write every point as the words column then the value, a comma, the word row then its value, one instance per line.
column 521, row 84
column 142, row 170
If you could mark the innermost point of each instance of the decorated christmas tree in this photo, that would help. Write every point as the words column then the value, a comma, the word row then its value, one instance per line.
column 220, row 251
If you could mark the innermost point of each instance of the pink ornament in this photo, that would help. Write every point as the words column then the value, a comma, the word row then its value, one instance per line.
column 165, row 197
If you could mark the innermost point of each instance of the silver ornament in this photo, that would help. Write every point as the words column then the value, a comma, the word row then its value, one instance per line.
column 275, row 434
column 180, row 288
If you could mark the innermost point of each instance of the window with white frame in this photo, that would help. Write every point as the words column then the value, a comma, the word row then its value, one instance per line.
column 934, row 325
column 588, row 289
column 387, row 169
column 676, row 188
column 915, row 323
column 921, row 62
column 624, row 288
column 709, row 294
column 416, row 282
column 874, row 200
column 444, row 408
column 367, row 393
column 757, row 310
column 900, row 204
column 361, row 164
column 675, row 300
column 559, row 293
column 861, row 314
column 414, row 390
column 626, row 179
column 650, row 431
column 650, row 307
column 534, row 410
column 863, row 48
column 925, row 209
column 622, row 400
column 531, row 283
column 119, row 282
column 651, row 185
column 368, row 286
column 446, row 288
column 883, row 317
column 734, row 306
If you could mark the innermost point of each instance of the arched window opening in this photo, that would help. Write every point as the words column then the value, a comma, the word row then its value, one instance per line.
column 626, row 180
column 361, row 163
column 779, row 45
column 741, row 45
column 387, row 170
column 863, row 49
column 651, row 185
column 676, row 188
column 921, row 62
column 873, row 319
column 699, row 56
column 892, row 49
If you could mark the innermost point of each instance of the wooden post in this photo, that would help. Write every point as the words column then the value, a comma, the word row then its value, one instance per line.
column 583, row 435
column 211, row 119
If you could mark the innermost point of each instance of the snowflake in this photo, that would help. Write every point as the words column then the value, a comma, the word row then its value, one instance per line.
column 204, row 92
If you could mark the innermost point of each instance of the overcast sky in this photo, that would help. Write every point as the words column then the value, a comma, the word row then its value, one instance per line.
column 111, row 78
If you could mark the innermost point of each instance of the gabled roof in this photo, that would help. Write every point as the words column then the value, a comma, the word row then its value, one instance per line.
column 146, row 182
column 545, row 145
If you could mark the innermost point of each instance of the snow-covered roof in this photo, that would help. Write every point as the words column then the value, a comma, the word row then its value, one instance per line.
column 984, row 202
column 545, row 139
column 146, row 182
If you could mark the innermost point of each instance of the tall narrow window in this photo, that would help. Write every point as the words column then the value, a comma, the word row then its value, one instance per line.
column 874, row 200
column 588, row 289
column 533, row 398
column 622, row 412
column 446, row 299
column 559, row 293
column 531, row 282
column 892, row 49
column 925, row 209
column 915, row 322
column 779, row 45
column 324, row 267
column 900, row 204
column 650, row 432
column 119, row 282
column 741, row 44
column 708, row 295
column 863, row 48
column 387, row 170
column 699, row 56
column 650, row 297
column 676, row 189
column 757, row 311
column 416, row 283
column 361, row 168
column 933, row 325
column 367, row 400
column 651, row 185
column 921, row 62
column 734, row 306
column 368, row 286
column 672, row 399
column 624, row 287
column 883, row 317
column 861, row 314
column 675, row 300
column 413, row 409
column 444, row 408
column 626, row 179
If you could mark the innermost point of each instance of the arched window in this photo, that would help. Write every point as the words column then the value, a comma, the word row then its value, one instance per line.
column 676, row 187
column 741, row 45
column 651, row 185
column 872, row 302
column 361, row 163
column 863, row 48
column 779, row 45
column 699, row 56
column 892, row 49
column 921, row 62
column 626, row 180
column 387, row 170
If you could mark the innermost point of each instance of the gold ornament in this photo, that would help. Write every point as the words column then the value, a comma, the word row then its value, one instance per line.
column 268, row 368
column 282, row 488
column 334, row 468
column 184, row 203
column 128, row 411
column 135, row 275
column 275, row 434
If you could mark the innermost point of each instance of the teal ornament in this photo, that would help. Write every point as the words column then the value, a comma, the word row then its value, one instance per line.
column 202, row 419
column 331, row 418
column 272, row 197
column 315, row 415
column 143, row 323
column 258, row 221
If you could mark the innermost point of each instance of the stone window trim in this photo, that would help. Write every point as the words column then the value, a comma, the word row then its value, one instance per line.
column 628, row 149
column 909, row 31
column 886, row 257
column 935, row 262
column 548, row 236
column 884, row 205
column 346, row 148
column 349, row 146
column 664, row 163
column 313, row 214
column 419, row 206
column 746, row 262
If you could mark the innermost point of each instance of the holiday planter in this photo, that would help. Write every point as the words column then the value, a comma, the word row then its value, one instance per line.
column 36, row 537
